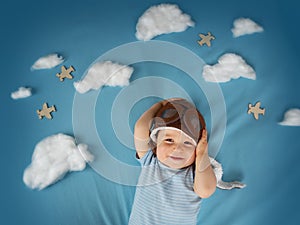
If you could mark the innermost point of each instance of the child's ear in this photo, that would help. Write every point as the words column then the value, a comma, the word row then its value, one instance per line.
column 153, row 146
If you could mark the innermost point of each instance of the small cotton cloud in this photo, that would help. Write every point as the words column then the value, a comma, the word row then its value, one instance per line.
column 229, row 66
column 104, row 73
column 22, row 92
column 162, row 19
column 52, row 158
column 291, row 118
column 243, row 26
column 47, row 62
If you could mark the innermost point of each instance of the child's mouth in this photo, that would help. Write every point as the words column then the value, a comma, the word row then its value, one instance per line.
column 176, row 158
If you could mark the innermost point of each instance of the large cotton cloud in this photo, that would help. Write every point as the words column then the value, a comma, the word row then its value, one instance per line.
column 162, row 19
column 104, row 73
column 47, row 62
column 229, row 66
column 22, row 92
column 52, row 158
column 243, row 26
column 291, row 118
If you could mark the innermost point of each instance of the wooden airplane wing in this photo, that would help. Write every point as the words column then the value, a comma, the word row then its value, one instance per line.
column 69, row 76
column 48, row 115
column 45, row 106
column 63, row 69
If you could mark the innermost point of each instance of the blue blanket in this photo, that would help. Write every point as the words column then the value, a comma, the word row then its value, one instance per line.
column 260, row 153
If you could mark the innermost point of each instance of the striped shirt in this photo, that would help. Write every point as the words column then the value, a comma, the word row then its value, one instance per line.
column 164, row 196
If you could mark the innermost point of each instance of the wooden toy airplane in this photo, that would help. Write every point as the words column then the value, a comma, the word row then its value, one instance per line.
column 256, row 110
column 46, row 112
column 65, row 73
column 205, row 39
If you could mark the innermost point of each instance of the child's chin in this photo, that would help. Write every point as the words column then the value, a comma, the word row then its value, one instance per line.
column 172, row 165
column 176, row 165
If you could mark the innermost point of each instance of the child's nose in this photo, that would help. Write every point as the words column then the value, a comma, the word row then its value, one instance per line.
column 177, row 147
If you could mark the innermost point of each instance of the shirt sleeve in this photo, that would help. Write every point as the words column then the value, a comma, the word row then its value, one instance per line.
column 147, row 159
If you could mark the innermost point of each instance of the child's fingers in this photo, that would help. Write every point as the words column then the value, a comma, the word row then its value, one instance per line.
column 202, row 144
column 204, row 136
column 174, row 99
column 204, row 133
column 164, row 102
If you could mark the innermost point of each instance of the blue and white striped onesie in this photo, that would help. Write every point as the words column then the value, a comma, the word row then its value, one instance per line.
column 164, row 196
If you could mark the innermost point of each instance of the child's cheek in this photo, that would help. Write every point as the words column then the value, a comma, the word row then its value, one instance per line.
column 163, row 151
column 161, row 148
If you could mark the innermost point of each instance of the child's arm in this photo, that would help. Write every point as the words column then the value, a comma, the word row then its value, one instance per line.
column 205, row 181
column 141, row 129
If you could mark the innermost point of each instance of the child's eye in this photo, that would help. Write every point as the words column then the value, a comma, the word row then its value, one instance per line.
column 169, row 140
column 188, row 143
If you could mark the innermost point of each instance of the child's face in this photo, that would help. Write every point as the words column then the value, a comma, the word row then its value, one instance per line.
column 174, row 149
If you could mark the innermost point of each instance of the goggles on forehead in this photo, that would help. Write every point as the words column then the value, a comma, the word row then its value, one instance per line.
column 154, row 132
column 182, row 115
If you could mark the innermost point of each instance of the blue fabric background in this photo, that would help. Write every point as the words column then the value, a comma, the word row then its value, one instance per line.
column 261, row 153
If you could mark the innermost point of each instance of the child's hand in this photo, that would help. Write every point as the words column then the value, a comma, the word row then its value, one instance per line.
column 205, row 180
column 202, row 158
column 164, row 102
column 201, row 148
column 172, row 99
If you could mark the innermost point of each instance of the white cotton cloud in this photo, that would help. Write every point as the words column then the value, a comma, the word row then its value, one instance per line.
column 291, row 118
column 47, row 62
column 229, row 66
column 52, row 158
column 104, row 73
column 22, row 92
column 243, row 26
column 162, row 19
